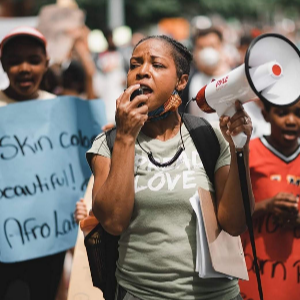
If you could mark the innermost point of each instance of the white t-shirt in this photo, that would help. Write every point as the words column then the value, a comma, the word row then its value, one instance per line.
column 43, row 95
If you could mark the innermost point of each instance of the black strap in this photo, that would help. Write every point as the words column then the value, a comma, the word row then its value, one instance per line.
column 110, row 138
column 245, row 194
column 206, row 142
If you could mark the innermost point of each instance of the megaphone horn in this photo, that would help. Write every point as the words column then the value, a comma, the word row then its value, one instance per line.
column 270, row 72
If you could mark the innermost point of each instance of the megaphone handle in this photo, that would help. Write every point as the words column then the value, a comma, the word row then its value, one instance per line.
column 241, row 138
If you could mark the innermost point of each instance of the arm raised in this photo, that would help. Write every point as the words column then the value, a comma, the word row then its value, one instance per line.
column 230, row 207
column 113, row 191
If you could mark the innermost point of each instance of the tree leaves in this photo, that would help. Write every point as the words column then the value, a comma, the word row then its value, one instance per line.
column 142, row 13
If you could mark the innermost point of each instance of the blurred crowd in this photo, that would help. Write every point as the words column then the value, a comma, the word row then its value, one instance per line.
column 93, row 63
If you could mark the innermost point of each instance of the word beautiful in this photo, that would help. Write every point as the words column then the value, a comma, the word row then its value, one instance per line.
column 41, row 184
column 12, row 146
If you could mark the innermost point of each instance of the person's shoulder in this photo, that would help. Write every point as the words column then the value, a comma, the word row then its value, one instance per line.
column 99, row 147
column 215, row 126
column 43, row 95
column 5, row 100
column 99, row 141
column 257, row 152
column 2, row 95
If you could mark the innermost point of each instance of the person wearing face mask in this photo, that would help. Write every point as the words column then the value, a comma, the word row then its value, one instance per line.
column 210, row 63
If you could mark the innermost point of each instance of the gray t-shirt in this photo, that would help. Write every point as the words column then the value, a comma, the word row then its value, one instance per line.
column 157, row 252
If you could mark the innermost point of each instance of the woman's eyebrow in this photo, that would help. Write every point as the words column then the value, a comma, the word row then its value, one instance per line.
column 35, row 55
column 151, row 56
column 137, row 58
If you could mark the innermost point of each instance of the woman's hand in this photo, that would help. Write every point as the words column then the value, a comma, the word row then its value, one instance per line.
column 239, row 122
column 131, row 115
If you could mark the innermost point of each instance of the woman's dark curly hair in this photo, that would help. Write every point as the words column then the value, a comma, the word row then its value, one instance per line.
column 181, row 55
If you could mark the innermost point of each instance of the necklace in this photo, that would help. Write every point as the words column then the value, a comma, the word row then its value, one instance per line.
column 171, row 161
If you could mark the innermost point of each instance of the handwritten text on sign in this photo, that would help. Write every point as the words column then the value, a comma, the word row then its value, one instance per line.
column 43, row 173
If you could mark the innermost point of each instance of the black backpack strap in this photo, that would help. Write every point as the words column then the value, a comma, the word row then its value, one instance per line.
column 206, row 142
column 110, row 138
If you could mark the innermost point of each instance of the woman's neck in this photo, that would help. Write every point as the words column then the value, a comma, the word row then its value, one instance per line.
column 163, row 129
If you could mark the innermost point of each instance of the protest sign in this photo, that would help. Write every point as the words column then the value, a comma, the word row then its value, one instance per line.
column 56, row 23
column 43, row 173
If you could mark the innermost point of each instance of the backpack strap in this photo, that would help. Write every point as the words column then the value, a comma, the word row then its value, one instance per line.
column 203, row 136
column 206, row 142
column 110, row 138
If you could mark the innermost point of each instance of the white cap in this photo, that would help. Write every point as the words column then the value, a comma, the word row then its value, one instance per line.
column 23, row 31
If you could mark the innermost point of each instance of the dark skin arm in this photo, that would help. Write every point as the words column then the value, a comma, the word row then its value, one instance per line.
column 113, row 206
column 230, row 207
column 81, row 50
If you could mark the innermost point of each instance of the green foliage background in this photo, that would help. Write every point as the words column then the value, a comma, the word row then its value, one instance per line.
column 140, row 13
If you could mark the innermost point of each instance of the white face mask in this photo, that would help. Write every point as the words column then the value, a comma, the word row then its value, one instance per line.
column 209, row 57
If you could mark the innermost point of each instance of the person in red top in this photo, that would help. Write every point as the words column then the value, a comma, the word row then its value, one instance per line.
column 275, row 176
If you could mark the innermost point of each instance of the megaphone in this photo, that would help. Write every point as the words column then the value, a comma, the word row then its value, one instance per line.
column 271, row 72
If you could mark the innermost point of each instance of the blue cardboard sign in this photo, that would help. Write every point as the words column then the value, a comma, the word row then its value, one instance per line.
column 43, row 173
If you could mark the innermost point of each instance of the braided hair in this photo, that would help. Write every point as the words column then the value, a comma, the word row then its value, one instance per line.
column 181, row 55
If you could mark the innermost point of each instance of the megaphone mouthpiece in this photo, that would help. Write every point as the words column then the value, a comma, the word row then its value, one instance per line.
column 276, row 70
column 265, row 75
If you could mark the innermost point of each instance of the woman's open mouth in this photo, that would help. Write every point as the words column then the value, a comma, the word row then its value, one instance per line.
column 146, row 90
